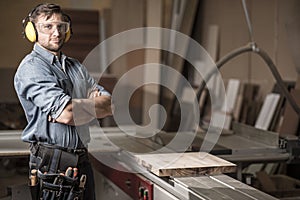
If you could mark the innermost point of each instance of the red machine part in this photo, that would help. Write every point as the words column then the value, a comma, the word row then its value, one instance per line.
column 133, row 184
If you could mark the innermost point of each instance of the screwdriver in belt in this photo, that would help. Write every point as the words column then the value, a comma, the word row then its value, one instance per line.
column 75, row 172
column 69, row 172
column 33, row 176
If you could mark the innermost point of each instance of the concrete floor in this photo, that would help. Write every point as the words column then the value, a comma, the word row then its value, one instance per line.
column 13, row 173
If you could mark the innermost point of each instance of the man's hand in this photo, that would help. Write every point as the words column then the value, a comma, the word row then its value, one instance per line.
column 103, row 107
column 95, row 93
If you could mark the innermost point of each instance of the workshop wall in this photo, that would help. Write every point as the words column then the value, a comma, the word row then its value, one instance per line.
column 13, row 46
column 268, row 19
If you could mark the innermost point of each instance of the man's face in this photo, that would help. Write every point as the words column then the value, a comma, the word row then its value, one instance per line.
column 51, row 32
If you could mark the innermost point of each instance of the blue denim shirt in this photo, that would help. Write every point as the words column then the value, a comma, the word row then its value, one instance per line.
column 44, row 86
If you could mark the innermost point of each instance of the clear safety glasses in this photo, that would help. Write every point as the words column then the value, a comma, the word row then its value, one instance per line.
column 49, row 28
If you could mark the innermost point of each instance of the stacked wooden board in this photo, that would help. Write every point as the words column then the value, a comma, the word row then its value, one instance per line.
column 185, row 164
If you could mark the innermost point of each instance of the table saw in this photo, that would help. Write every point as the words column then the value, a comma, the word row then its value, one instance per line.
column 119, row 149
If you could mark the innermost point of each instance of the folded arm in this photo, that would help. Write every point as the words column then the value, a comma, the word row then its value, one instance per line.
column 82, row 111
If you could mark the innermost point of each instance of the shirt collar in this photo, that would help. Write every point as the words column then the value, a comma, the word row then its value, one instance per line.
column 46, row 54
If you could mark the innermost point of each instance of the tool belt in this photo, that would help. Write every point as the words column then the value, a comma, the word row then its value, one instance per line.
column 53, row 176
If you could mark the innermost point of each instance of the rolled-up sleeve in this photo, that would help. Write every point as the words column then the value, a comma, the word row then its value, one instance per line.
column 40, row 86
column 102, row 90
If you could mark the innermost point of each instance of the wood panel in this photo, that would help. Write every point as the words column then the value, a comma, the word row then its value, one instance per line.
column 182, row 22
column 152, row 92
column 185, row 164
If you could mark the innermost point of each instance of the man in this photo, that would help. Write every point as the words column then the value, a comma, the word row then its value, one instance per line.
column 58, row 96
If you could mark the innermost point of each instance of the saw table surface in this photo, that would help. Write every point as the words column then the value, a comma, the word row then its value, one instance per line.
column 218, row 187
column 159, row 163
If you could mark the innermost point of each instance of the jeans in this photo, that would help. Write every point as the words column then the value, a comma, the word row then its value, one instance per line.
column 85, row 167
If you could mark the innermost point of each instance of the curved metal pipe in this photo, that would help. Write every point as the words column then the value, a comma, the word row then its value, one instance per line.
column 278, row 79
column 219, row 64
column 252, row 47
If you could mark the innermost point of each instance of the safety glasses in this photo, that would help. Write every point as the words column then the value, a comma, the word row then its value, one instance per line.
column 49, row 28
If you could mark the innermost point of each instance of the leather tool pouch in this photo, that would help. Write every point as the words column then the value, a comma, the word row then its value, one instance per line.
column 56, row 160
column 60, row 187
column 51, row 184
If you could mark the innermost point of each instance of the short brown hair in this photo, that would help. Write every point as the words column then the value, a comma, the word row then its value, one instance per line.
column 48, row 9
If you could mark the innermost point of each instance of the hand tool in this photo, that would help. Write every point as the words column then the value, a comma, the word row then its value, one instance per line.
column 69, row 172
column 75, row 172
column 33, row 177
column 82, row 181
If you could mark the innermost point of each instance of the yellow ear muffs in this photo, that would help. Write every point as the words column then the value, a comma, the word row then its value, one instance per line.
column 70, row 32
column 68, row 35
column 30, row 32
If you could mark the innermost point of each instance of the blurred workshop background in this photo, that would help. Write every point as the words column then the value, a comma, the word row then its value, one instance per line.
column 219, row 26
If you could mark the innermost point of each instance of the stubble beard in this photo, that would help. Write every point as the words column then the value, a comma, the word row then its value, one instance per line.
column 53, row 47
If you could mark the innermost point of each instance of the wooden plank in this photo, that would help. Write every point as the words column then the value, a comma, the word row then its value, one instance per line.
column 232, row 91
column 184, row 164
column 290, row 123
column 182, row 22
column 136, row 58
column 218, row 118
column 267, row 111
column 152, row 92
column 212, row 48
